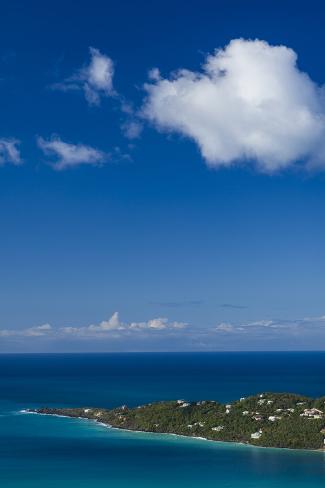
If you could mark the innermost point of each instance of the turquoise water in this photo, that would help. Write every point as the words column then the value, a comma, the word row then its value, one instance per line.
column 51, row 452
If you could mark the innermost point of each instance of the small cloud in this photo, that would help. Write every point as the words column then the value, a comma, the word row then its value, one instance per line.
column 132, row 125
column 233, row 306
column 9, row 152
column 132, row 129
column 260, row 323
column 225, row 327
column 67, row 155
column 94, row 79
column 154, row 74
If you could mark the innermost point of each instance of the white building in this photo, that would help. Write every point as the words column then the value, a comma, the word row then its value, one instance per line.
column 273, row 418
column 256, row 435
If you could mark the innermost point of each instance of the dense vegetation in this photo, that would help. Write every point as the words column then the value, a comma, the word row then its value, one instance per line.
column 269, row 419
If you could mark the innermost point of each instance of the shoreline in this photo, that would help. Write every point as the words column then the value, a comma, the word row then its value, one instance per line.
column 109, row 426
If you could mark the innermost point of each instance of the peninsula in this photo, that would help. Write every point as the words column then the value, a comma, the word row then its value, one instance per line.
column 268, row 419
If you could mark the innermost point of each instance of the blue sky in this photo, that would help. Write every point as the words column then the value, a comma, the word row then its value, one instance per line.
column 193, row 210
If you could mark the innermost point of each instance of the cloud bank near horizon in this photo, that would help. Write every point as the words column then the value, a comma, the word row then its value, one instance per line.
column 162, row 334
column 249, row 102
column 103, row 329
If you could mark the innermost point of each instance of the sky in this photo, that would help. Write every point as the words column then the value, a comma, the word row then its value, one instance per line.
column 162, row 173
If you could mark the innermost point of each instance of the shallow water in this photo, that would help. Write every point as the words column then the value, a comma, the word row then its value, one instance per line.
column 42, row 451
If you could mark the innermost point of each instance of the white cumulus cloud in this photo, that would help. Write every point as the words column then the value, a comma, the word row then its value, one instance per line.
column 9, row 151
column 114, row 324
column 67, row 155
column 94, row 79
column 249, row 102
column 160, row 323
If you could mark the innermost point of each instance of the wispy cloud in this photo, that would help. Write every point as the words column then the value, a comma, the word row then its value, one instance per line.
column 306, row 325
column 37, row 331
column 132, row 124
column 94, row 79
column 178, row 303
column 249, row 102
column 132, row 129
column 68, row 155
column 233, row 306
column 225, row 327
column 9, row 152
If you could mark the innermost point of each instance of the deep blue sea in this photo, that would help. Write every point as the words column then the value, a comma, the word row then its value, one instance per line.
column 51, row 452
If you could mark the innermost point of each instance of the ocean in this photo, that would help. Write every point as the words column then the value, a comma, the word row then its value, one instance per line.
column 51, row 452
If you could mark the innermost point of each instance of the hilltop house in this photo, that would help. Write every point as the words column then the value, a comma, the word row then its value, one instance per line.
column 273, row 418
column 312, row 413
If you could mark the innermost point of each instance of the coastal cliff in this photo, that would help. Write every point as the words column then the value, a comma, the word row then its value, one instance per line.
column 268, row 419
